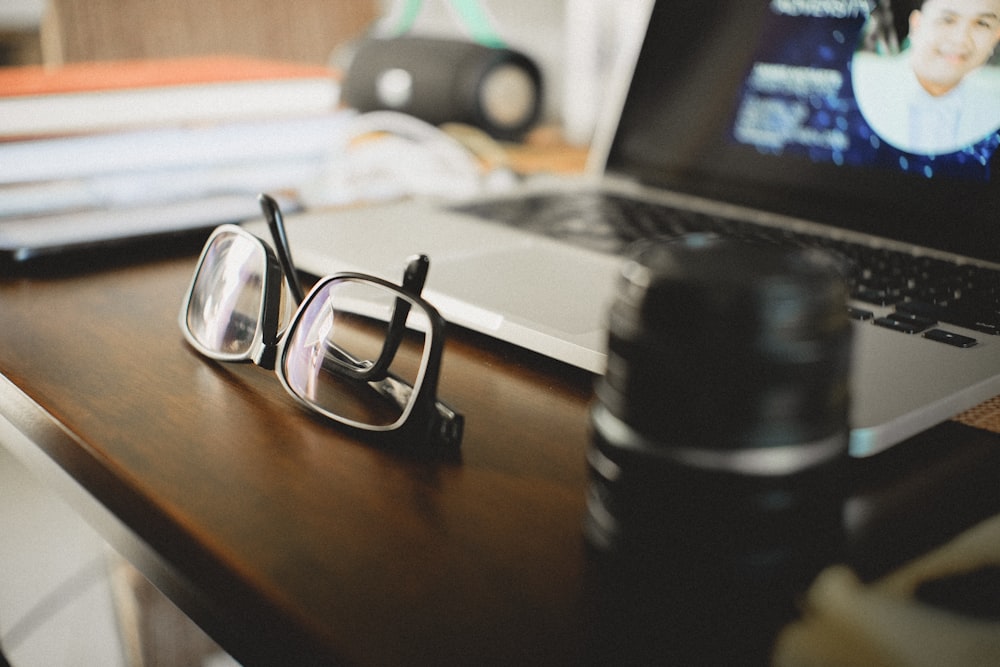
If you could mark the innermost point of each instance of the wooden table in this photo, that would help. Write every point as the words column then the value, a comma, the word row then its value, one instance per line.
column 292, row 543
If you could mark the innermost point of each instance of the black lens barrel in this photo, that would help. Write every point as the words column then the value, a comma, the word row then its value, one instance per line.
column 719, row 441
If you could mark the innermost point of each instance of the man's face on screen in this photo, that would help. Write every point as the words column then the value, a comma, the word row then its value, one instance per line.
column 950, row 38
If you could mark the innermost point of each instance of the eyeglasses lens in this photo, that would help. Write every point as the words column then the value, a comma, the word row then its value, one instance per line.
column 343, row 358
column 225, row 306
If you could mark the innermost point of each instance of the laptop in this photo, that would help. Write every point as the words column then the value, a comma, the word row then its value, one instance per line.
column 742, row 111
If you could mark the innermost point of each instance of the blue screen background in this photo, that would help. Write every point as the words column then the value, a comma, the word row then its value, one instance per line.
column 830, row 43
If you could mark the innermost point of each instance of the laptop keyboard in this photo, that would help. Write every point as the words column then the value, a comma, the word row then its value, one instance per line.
column 921, row 292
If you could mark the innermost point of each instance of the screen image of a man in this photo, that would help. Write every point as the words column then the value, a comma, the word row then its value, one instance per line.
column 939, row 94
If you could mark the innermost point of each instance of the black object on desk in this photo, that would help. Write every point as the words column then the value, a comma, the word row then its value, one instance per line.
column 440, row 80
column 720, row 446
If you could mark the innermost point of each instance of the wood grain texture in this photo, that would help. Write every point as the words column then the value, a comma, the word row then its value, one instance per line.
column 215, row 465
column 304, row 30
column 291, row 542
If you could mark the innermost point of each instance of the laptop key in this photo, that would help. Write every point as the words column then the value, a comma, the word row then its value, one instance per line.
column 913, row 318
column 877, row 297
column 959, row 314
column 950, row 338
column 859, row 313
column 897, row 325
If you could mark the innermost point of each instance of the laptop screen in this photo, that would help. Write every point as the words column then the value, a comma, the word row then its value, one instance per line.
column 873, row 116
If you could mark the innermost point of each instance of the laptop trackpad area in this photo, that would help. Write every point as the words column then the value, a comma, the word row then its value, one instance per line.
column 538, row 285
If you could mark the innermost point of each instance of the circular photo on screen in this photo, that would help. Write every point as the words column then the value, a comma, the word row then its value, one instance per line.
column 926, row 74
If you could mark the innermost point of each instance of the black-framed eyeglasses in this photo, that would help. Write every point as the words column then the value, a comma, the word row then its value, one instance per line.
column 357, row 349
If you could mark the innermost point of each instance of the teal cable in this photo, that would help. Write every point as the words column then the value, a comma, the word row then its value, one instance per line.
column 477, row 23
column 409, row 16
column 471, row 14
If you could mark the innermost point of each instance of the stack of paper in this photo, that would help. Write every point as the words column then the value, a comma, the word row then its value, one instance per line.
column 106, row 151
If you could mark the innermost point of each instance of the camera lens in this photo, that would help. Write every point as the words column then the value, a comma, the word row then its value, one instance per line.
column 719, row 438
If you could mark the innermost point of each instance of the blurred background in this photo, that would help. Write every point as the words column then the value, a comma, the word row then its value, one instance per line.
column 20, row 21
column 574, row 42
column 66, row 599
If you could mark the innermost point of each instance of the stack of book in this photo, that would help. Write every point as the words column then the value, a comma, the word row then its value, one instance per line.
column 99, row 152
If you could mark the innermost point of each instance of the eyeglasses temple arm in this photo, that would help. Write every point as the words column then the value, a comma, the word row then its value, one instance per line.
column 413, row 283
column 374, row 371
column 276, row 223
column 445, row 425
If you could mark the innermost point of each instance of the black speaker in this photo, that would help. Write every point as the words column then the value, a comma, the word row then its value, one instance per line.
column 440, row 80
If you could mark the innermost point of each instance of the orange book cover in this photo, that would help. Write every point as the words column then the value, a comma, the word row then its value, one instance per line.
column 112, row 95
column 124, row 74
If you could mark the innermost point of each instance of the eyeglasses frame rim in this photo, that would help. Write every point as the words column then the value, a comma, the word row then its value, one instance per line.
column 262, row 349
column 444, row 426
column 424, row 400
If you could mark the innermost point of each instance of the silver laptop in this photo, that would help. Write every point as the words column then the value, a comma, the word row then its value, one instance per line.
column 743, row 110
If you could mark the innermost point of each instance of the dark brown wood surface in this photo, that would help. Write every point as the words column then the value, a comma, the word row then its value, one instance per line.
column 292, row 542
